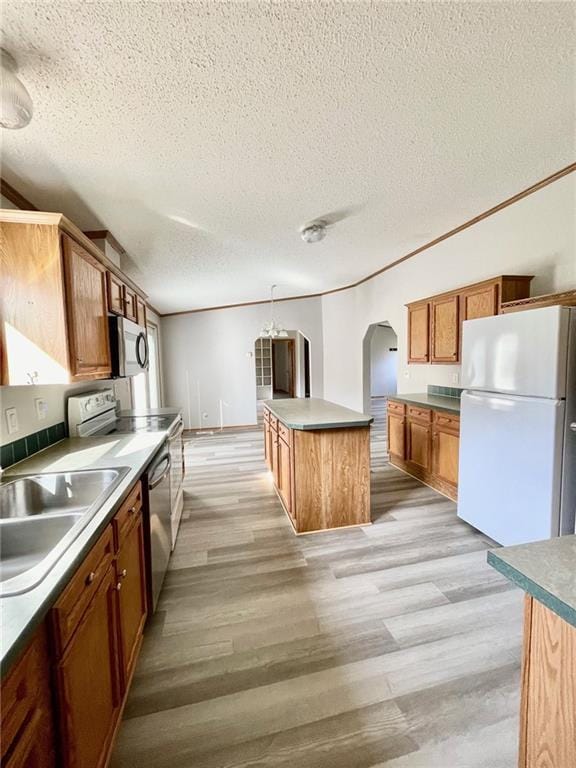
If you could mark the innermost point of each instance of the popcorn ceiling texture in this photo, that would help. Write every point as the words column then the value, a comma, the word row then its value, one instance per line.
column 204, row 134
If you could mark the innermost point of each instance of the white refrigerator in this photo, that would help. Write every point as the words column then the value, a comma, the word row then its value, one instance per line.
column 517, row 473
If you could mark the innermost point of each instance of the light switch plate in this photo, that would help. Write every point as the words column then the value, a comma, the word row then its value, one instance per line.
column 455, row 378
column 11, row 420
column 41, row 408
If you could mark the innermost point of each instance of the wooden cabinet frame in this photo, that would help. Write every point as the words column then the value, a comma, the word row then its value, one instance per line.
column 435, row 323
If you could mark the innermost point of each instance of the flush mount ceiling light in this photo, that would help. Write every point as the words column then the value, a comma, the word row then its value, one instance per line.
column 314, row 232
column 273, row 330
column 16, row 108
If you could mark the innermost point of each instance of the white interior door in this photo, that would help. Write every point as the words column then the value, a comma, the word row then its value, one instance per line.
column 510, row 466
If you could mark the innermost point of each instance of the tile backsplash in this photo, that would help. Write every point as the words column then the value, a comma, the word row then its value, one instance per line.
column 433, row 389
column 27, row 446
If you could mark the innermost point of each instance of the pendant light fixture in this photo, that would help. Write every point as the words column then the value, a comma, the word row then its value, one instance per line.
column 16, row 107
column 273, row 330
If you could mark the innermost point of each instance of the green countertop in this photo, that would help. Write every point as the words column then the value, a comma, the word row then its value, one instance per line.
column 544, row 569
column 314, row 413
column 436, row 402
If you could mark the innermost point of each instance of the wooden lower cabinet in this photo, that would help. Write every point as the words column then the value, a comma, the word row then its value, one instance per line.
column 97, row 626
column 425, row 444
column 548, row 704
column 27, row 716
column 131, row 571
column 322, row 476
column 88, row 682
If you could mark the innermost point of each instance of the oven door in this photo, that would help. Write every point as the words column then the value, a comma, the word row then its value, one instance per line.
column 132, row 348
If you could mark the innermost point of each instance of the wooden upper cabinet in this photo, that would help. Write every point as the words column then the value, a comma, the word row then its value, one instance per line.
column 86, row 308
column 115, row 294
column 130, row 304
column 479, row 301
column 435, row 324
column 140, row 312
column 444, row 330
column 419, row 333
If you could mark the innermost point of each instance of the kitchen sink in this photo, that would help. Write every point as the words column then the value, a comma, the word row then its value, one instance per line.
column 40, row 517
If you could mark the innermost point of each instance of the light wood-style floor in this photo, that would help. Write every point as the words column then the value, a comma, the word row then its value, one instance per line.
column 391, row 645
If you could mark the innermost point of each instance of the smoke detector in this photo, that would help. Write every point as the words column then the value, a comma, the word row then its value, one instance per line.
column 313, row 233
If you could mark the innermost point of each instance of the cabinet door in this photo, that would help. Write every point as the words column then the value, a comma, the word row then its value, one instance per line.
column 267, row 444
column 419, row 333
column 284, row 459
column 140, row 312
column 274, row 453
column 87, row 313
column 88, row 675
column 131, row 596
column 130, row 304
column 418, row 447
column 396, row 436
column 445, row 330
column 445, row 454
column 481, row 301
column 115, row 294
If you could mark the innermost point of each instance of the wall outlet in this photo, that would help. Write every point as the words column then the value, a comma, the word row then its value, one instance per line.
column 11, row 420
column 406, row 374
column 41, row 408
column 204, row 415
column 455, row 378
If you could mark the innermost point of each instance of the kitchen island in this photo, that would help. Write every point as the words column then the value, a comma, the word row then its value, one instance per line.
column 546, row 571
column 319, row 455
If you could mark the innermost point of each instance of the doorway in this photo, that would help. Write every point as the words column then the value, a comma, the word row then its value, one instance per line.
column 380, row 363
column 282, row 366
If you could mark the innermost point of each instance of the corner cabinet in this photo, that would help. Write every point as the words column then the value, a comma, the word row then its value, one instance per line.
column 425, row 444
column 57, row 291
column 435, row 323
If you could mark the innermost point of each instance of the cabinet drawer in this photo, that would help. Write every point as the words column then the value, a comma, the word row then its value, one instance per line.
column 273, row 422
column 70, row 607
column 419, row 414
column 127, row 514
column 451, row 421
column 396, row 407
column 284, row 432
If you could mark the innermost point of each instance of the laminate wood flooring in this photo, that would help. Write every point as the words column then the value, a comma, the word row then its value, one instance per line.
column 391, row 645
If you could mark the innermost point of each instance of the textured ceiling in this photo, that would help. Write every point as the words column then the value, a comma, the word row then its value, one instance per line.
column 204, row 134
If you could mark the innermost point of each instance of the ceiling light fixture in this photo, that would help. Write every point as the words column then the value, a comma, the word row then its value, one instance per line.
column 273, row 330
column 313, row 233
column 16, row 107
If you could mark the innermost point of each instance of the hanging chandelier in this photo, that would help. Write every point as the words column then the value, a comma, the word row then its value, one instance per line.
column 273, row 330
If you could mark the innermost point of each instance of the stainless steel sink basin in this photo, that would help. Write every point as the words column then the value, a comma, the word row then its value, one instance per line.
column 40, row 517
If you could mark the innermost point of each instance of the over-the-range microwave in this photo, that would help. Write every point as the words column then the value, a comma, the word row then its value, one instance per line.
column 128, row 347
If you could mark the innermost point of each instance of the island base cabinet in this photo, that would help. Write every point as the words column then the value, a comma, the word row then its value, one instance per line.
column 88, row 682
column 548, row 705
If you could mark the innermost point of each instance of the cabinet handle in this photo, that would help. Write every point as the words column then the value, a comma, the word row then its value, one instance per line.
column 124, row 573
column 573, row 426
column 90, row 578
column 132, row 510
column 118, row 586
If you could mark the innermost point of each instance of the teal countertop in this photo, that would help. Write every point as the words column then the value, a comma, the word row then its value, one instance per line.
column 544, row 569
column 314, row 413
column 436, row 402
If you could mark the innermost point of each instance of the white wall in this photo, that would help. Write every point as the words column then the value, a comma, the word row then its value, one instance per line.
column 209, row 356
column 383, row 362
column 534, row 236
column 23, row 399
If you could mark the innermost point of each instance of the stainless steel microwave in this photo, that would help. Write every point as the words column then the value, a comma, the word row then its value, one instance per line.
column 128, row 347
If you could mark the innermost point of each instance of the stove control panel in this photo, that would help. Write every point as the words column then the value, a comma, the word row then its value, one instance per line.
column 85, row 407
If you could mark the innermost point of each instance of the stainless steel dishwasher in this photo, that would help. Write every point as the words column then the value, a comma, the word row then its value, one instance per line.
column 160, row 519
